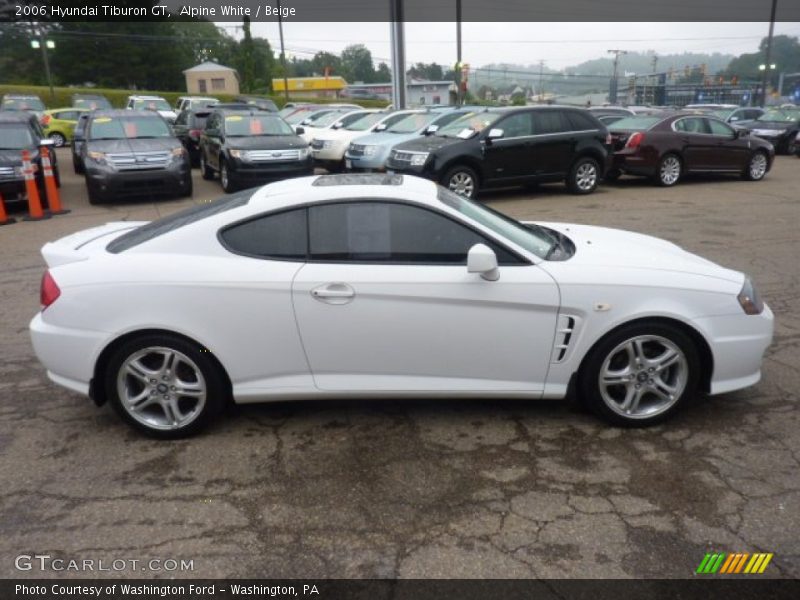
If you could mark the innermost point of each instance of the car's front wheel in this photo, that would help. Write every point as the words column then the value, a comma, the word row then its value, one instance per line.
column 205, row 171
column 462, row 180
column 669, row 170
column 228, row 185
column 164, row 386
column 583, row 176
column 640, row 374
column 757, row 167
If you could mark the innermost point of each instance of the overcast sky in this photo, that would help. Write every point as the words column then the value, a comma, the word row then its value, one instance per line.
column 558, row 44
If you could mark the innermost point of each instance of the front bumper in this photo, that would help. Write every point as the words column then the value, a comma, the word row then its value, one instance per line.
column 333, row 153
column 251, row 173
column 106, row 181
column 375, row 162
column 738, row 343
column 13, row 190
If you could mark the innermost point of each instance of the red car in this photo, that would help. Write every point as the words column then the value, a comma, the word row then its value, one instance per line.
column 667, row 147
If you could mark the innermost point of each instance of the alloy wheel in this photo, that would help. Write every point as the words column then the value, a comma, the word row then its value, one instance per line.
column 58, row 140
column 462, row 183
column 586, row 177
column 161, row 388
column 643, row 376
column 758, row 166
column 670, row 170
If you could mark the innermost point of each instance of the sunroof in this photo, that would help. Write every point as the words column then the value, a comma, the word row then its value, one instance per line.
column 359, row 179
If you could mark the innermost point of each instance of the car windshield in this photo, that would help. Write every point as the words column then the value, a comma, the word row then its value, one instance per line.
column 365, row 122
column 15, row 137
column 469, row 125
column 22, row 104
column 317, row 115
column 156, row 104
column 121, row 128
column 635, row 123
column 299, row 115
column 413, row 123
column 92, row 103
column 534, row 240
column 721, row 113
column 327, row 119
column 254, row 125
column 775, row 114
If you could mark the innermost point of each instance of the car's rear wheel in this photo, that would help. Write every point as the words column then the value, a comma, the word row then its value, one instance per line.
column 205, row 171
column 164, row 386
column 58, row 140
column 669, row 170
column 228, row 184
column 757, row 167
column 462, row 180
column 583, row 176
column 640, row 374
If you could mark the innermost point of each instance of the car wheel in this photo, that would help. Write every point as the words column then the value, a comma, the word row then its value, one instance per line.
column 791, row 148
column 640, row 374
column 757, row 167
column 669, row 170
column 77, row 166
column 225, row 177
column 188, row 187
column 95, row 197
column 164, row 385
column 583, row 176
column 205, row 171
column 461, row 180
column 58, row 140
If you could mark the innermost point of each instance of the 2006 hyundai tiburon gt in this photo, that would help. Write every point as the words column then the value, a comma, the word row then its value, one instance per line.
column 385, row 286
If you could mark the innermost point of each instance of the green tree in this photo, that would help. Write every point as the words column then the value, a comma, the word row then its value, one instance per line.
column 357, row 64
column 326, row 60
column 785, row 56
column 428, row 71
column 245, row 59
column 383, row 74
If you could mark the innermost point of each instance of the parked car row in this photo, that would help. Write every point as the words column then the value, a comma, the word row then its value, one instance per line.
column 19, row 131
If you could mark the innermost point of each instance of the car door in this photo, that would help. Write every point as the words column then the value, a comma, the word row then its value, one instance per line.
column 731, row 152
column 508, row 159
column 552, row 151
column 386, row 303
column 697, row 144
column 213, row 140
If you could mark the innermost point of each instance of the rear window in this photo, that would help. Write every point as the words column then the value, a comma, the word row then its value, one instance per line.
column 154, row 229
column 636, row 123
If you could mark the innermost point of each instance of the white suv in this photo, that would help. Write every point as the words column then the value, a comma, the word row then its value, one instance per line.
column 185, row 102
column 155, row 103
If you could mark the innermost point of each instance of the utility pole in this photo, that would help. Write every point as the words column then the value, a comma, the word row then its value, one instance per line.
column 458, row 73
column 283, row 55
column 765, row 77
column 541, row 82
column 612, row 89
column 398, row 54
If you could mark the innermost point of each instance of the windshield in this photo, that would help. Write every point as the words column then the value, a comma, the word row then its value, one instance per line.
column 413, row 123
column 22, row 104
column 535, row 241
column 15, row 137
column 775, row 114
column 252, row 125
column 327, row 119
column 158, row 104
column 121, row 128
column 299, row 115
column 317, row 115
column 469, row 124
column 92, row 103
column 635, row 123
column 721, row 114
column 365, row 122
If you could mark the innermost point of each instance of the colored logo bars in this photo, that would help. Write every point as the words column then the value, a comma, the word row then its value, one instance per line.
column 736, row 562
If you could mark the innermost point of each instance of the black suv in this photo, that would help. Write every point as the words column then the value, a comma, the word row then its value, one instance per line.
column 249, row 148
column 132, row 152
column 21, row 131
column 500, row 147
column 188, row 128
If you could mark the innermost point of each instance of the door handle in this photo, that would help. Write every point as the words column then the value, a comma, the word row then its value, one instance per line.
column 334, row 293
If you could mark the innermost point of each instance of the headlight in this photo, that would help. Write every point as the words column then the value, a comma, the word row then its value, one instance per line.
column 98, row 157
column 178, row 153
column 417, row 160
column 302, row 154
column 751, row 302
column 238, row 154
column 370, row 150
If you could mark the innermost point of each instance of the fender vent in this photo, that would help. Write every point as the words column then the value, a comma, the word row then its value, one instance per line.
column 566, row 327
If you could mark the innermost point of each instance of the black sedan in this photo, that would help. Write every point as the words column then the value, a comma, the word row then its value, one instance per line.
column 779, row 126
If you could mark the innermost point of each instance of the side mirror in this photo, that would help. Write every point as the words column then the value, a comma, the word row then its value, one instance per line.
column 495, row 134
column 337, row 125
column 482, row 260
column 734, row 119
column 46, row 142
column 299, row 130
column 431, row 129
column 380, row 127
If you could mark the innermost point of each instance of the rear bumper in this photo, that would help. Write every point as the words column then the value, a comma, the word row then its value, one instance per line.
column 635, row 164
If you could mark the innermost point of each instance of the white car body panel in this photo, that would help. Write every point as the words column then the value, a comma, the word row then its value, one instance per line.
column 410, row 330
column 340, row 139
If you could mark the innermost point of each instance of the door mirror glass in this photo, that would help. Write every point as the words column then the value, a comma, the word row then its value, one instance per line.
column 380, row 126
column 337, row 125
column 431, row 129
column 495, row 133
column 732, row 119
column 299, row 130
column 482, row 260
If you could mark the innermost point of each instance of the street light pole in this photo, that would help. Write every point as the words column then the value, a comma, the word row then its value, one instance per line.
column 765, row 77
column 612, row 92
column 283, row 55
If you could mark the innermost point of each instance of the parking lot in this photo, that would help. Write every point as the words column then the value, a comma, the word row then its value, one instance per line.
column 422, row 489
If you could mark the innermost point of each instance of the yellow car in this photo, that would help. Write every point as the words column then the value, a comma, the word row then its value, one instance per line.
column 59, row 124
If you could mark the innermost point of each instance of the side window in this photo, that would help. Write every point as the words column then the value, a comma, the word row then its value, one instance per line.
column 719, row 128
column 549, row 121
column 181, row 120
column 387, row 232
column 279, row 235
column 580, row 121
column 692, row 125
column 516, row 125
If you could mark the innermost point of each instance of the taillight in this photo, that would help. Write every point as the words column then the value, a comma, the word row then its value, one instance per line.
column 49, row 292
column 195, row 133
column 635, row 140
column 45, row 120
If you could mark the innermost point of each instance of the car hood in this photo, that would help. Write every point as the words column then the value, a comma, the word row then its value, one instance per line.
column 384, row 138
column 278, row 142
column 427, row 143
column 339, row 134
column 133, row 145
column 776, row 125
column 605, row 247
column 13, row 158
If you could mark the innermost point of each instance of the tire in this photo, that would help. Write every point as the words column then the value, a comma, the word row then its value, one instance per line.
column 792, row 148
column 613, row 175
column 228, row 185
column 58, row 139
column 669, row 170
column 145, row 375
column 77, row 167
column 756, row 167
column 205, row 171
column 663, row 386
column 188, row 188
column 95, row 197
column 583, row 176
column 462, row 180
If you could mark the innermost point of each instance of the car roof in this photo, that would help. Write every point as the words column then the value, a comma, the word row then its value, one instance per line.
column 346, row 185
column 121, row 112
column 21, row 96
column 138, row 97
column 244, row 111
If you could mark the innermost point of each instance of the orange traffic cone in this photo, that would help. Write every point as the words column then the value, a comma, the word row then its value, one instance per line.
column 4, row 218
column 53, row 197
column 35, row 212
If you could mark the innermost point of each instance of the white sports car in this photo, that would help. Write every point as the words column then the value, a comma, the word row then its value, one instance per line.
column 342, row 286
